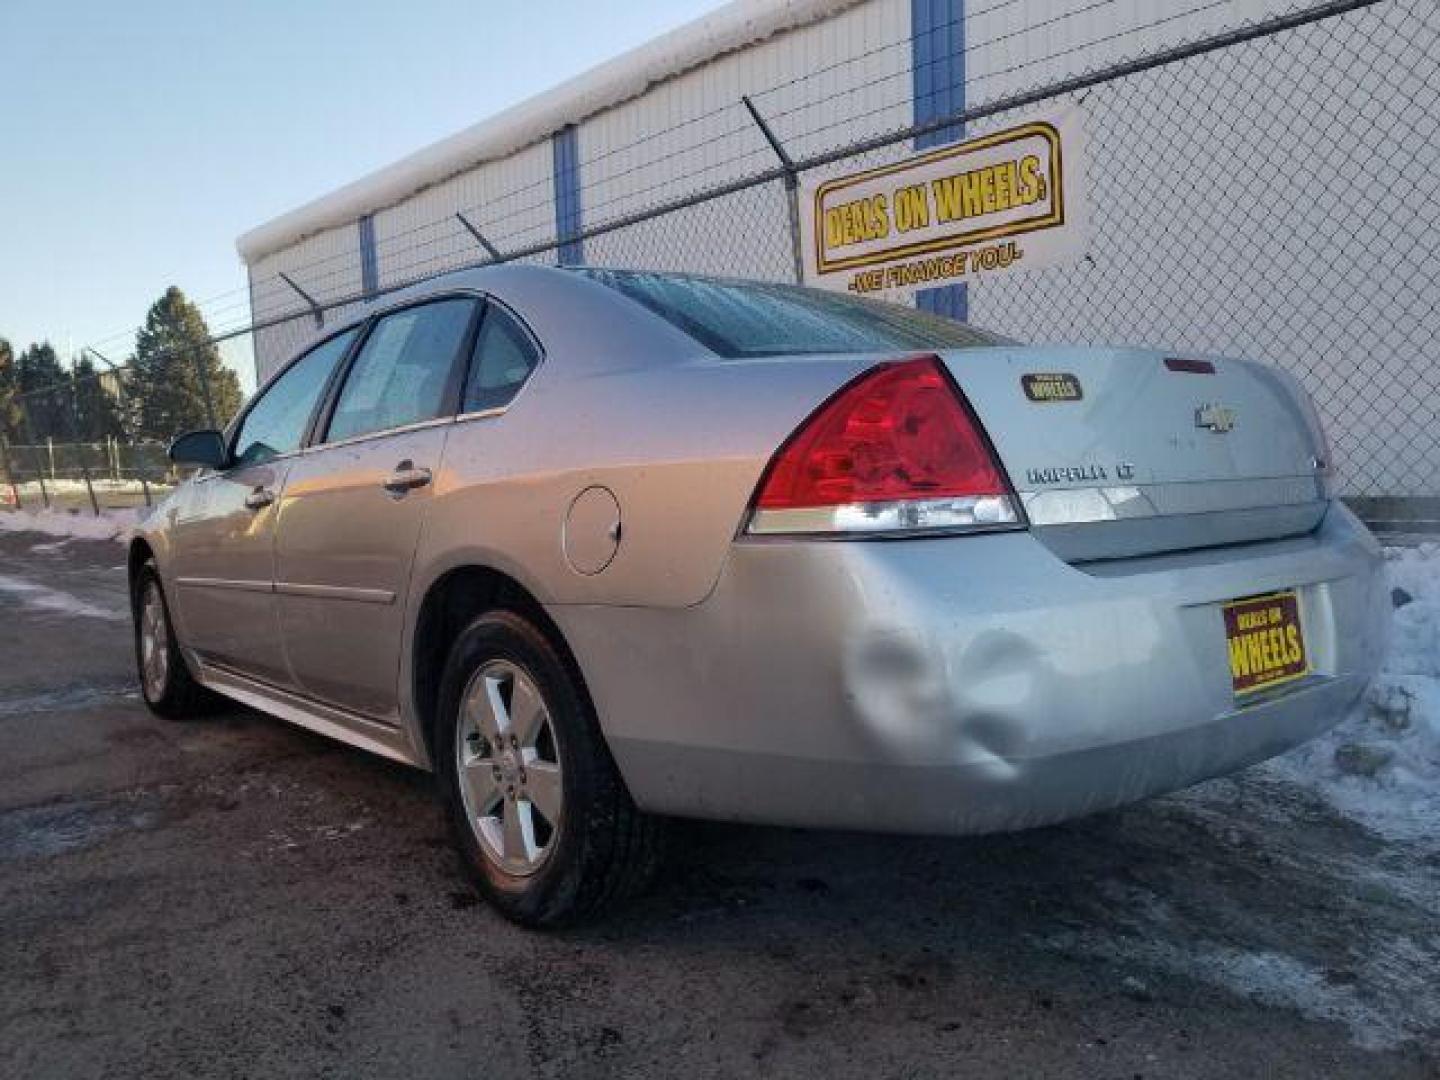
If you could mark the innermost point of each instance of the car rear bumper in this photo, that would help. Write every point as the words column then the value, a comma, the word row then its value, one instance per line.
column 966, row 684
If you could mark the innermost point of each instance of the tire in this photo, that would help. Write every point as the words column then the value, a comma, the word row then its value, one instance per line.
column 553, row 763
column 165, row 680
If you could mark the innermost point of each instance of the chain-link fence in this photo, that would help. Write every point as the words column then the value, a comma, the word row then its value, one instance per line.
column 92, row 476
column 1268, row 188
column 95, row 440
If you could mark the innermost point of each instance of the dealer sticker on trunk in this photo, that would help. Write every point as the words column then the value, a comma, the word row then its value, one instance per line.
column 1266, row 644
column 1051, row 386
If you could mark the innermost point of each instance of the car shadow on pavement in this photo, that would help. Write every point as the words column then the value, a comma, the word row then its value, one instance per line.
column 1243, row 890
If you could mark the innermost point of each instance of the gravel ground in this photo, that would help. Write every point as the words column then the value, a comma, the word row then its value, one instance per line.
column 235, row 897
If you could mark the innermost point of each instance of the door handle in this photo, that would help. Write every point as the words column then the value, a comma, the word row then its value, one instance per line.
column 406, row 477
column 258, row 499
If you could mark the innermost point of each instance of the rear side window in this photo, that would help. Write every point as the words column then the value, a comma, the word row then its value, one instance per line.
column 277, row 421
column 404, row 371
column 503, row 360
column 748, row 318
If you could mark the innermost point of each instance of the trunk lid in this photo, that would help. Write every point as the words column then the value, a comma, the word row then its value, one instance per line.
column 1116, row 453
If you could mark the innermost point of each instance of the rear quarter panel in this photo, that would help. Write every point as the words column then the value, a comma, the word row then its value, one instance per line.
column 681, row 447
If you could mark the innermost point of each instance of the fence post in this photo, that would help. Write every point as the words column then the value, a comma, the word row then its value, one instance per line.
column 490, row 249
column 792, row 189
column 40, row 475
column 9, row 471
column 34, row 449
column 90, row 490
column 316, row 311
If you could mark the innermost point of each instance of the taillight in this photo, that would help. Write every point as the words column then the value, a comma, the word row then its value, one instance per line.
column 898, row 450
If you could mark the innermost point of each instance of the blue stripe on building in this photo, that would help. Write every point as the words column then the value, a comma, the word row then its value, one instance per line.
column 566, row 145
column 369, row 267
column 937, row 62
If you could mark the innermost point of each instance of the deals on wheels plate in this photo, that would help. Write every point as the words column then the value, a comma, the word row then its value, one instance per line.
column 1006, row 200
column 1265, row 641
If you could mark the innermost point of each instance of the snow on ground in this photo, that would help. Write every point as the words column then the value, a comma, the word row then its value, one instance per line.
column 1265, row 976
column 1381, row 765
column 53, row 600
column 110, row 525
column 66, row 486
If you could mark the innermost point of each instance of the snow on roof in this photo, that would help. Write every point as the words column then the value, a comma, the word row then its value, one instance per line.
column 733, row 26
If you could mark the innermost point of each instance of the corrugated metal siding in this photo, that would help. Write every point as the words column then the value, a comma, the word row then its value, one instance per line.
column 327, row 266
column 818, row 86
column 1015, row 47
column 510, row 201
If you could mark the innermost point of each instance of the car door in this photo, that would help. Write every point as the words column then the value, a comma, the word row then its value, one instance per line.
column 355, row 503
column 223, row 559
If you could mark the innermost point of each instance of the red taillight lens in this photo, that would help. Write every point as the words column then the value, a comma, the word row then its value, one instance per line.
column 898, row 449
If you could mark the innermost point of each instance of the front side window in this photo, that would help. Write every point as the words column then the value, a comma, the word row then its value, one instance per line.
column 751, row 318
column 503, row 360
column 276, row 423
column 403, row 374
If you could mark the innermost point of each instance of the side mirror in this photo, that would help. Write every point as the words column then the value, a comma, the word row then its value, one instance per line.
column 206, row 448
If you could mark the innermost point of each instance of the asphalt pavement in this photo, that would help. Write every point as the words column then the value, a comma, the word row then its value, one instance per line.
column 235, row 897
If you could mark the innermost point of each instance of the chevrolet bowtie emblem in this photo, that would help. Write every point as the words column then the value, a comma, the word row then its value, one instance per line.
column 1216, row 418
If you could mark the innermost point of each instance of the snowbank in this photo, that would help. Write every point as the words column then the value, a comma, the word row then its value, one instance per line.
column 1381, row 765
column 110, row 525
column 67, row 486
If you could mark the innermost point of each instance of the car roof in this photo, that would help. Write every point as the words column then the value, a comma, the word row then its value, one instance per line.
column 587, row 324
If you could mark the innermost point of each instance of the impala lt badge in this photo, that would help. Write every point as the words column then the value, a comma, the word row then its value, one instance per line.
column 1067, row 474
column 1216, row 418
column 1078, row 474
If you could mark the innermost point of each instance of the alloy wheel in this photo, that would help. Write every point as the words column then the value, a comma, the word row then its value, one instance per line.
column 508, row 765
column 154, row 642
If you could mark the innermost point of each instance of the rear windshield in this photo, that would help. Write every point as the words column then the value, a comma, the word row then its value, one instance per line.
column 751, row 318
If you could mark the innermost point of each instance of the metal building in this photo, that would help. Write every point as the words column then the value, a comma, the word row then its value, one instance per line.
column 1242, row 185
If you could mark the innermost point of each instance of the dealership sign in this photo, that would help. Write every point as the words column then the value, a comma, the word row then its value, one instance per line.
column 1005, row 201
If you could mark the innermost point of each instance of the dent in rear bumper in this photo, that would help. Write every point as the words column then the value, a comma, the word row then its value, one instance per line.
column 978, row 796
column 965, row 684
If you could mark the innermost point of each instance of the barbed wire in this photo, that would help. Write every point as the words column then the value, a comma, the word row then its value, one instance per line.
column 497, row 205
column 261, row 294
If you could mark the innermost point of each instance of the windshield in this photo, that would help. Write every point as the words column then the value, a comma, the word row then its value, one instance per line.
column 751, row 318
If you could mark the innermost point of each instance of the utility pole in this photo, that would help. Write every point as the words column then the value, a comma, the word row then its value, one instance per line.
column 119, row 374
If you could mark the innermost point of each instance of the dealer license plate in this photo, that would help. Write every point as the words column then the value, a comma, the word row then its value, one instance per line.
column 1265, row 640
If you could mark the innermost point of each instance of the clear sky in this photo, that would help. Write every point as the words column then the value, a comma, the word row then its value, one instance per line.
column 139, row 139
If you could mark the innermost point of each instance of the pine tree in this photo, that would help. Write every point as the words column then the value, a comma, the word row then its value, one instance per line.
column 179, row 382
column 10, row 424
column 45, row 394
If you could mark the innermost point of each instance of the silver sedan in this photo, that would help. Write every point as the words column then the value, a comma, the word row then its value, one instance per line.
column 601, row 547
